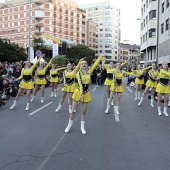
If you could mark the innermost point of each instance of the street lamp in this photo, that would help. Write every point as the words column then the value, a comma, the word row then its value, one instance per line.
column 29, row 43
column 147, row 37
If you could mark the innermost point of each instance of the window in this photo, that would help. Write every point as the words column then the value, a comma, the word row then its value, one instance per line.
column 12, row 24
column 152, row 14
column 8, row 25
column 18, row 30
column 18, row 15
column 25, row 22
column 18, row 23
column 25, row 36
column 167, row 3
column 162, row 28
column 101, row 29
column 107, row 13
column 18, row 37
column 24, row 6
column 96, row 14
column 107, row 24
column 163, row 7
column 19, row 8
column 167, row 24
column 25, row 14
column 8, row 17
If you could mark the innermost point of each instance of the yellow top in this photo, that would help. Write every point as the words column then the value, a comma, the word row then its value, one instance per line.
column 42, row 71
column 153, row 74
column 164, row 74
column 84, row 79
column 140, row 72
column 52, row 72
column 29, row 71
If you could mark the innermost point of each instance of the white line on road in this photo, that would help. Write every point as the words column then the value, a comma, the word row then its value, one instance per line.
column 55, row 148
column 40, row 109
column 95, row 87
column 129, row 89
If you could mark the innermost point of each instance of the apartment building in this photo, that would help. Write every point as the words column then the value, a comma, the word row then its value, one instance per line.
column 107, row 19
column 91, row 35
column 149, row 16
column 164, row 32
column 130, row 53
column 57, row 18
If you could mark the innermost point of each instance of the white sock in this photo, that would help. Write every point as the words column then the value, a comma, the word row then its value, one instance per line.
column 165, row 111
column 70, row 123
column 82, row 127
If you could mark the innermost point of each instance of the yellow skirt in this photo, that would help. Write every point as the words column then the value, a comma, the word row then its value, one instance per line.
column 86, row 97
column 69, row 89
column 108, row 82
column 138, row 81
column 118, row 89
column 151, row 84
column 54, row 80
column 40, row 81
column 162, row 89
column 26, row 85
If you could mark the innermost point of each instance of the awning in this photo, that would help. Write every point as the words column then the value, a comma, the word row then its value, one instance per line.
column 55, row 40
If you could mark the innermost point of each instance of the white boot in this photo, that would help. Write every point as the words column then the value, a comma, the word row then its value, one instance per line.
column 55, row 94
column 151, row 104
column 42, row 99
column 52, row 93
column 33, row 97
column 14, row 104
column 70, row 109
column 136, row 95
column 70, row 123
column 141, row 100
column 116, row 109
column 165, row 111
column 169, row 103
column 27, row 107
column 58, row 108
column 107, row 109
column 159, row 111
column 112, row 103
column 83, row 131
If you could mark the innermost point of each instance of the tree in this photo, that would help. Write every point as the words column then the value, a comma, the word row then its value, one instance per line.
column 60, row 60
column 81, row 51
column 38, row 43
column 11, row 52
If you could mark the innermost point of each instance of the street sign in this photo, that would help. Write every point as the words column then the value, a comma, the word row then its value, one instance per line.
column 38, row 53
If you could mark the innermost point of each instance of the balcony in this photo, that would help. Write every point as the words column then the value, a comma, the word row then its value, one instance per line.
column 39, row 31
column 38, row 1
column 39, row 7
column 39, row 23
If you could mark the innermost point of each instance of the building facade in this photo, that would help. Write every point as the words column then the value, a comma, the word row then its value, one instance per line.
column 149, row 16
column 130, row 53
column 164, row 32
column 91, row 35
column 58, row 18
column 107, row 19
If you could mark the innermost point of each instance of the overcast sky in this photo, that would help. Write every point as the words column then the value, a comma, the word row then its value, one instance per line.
column 130, row 11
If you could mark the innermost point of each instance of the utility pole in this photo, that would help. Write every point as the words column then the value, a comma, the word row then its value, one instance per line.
column 30, row 18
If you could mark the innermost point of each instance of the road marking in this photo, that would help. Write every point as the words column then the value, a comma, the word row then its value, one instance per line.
column 129, row 89
column 95, row 87
column 55, row 148
column 40, row 109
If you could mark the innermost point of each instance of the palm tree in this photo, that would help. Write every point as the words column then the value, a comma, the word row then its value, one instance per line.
column 38, row 43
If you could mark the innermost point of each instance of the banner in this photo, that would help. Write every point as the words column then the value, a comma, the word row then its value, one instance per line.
column 55, row 50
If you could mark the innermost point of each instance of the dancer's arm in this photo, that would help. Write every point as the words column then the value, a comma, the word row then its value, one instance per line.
column 21, row 76
column 33, row 67
column 144, row 69
column 95, row 65
column 46, row 67
column 62, row 68
column 103, row 65
column 165, row 72
column 129, row 73
column 123, row 64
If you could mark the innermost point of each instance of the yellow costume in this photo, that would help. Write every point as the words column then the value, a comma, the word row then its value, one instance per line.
column 140, row 80
column 117, row 86
column 163, row 85
column 69, row 80
column 109, row 70
column 26, row 76
column 152, row 82
column 40, row 75
column 83, row 84
column 54, row 75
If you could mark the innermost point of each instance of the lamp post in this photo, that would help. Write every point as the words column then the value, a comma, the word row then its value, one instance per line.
column 29, row 43
column 146, row 55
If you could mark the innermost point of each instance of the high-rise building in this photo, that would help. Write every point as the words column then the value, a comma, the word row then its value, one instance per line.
column 149, row 16
column 91, row 35
column 107, row 19
column 164, row 32
column 58, row 18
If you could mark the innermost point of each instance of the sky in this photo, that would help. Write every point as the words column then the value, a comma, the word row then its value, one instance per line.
column 130, row 12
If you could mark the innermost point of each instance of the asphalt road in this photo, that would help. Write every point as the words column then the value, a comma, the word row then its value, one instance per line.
column 137, row 139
